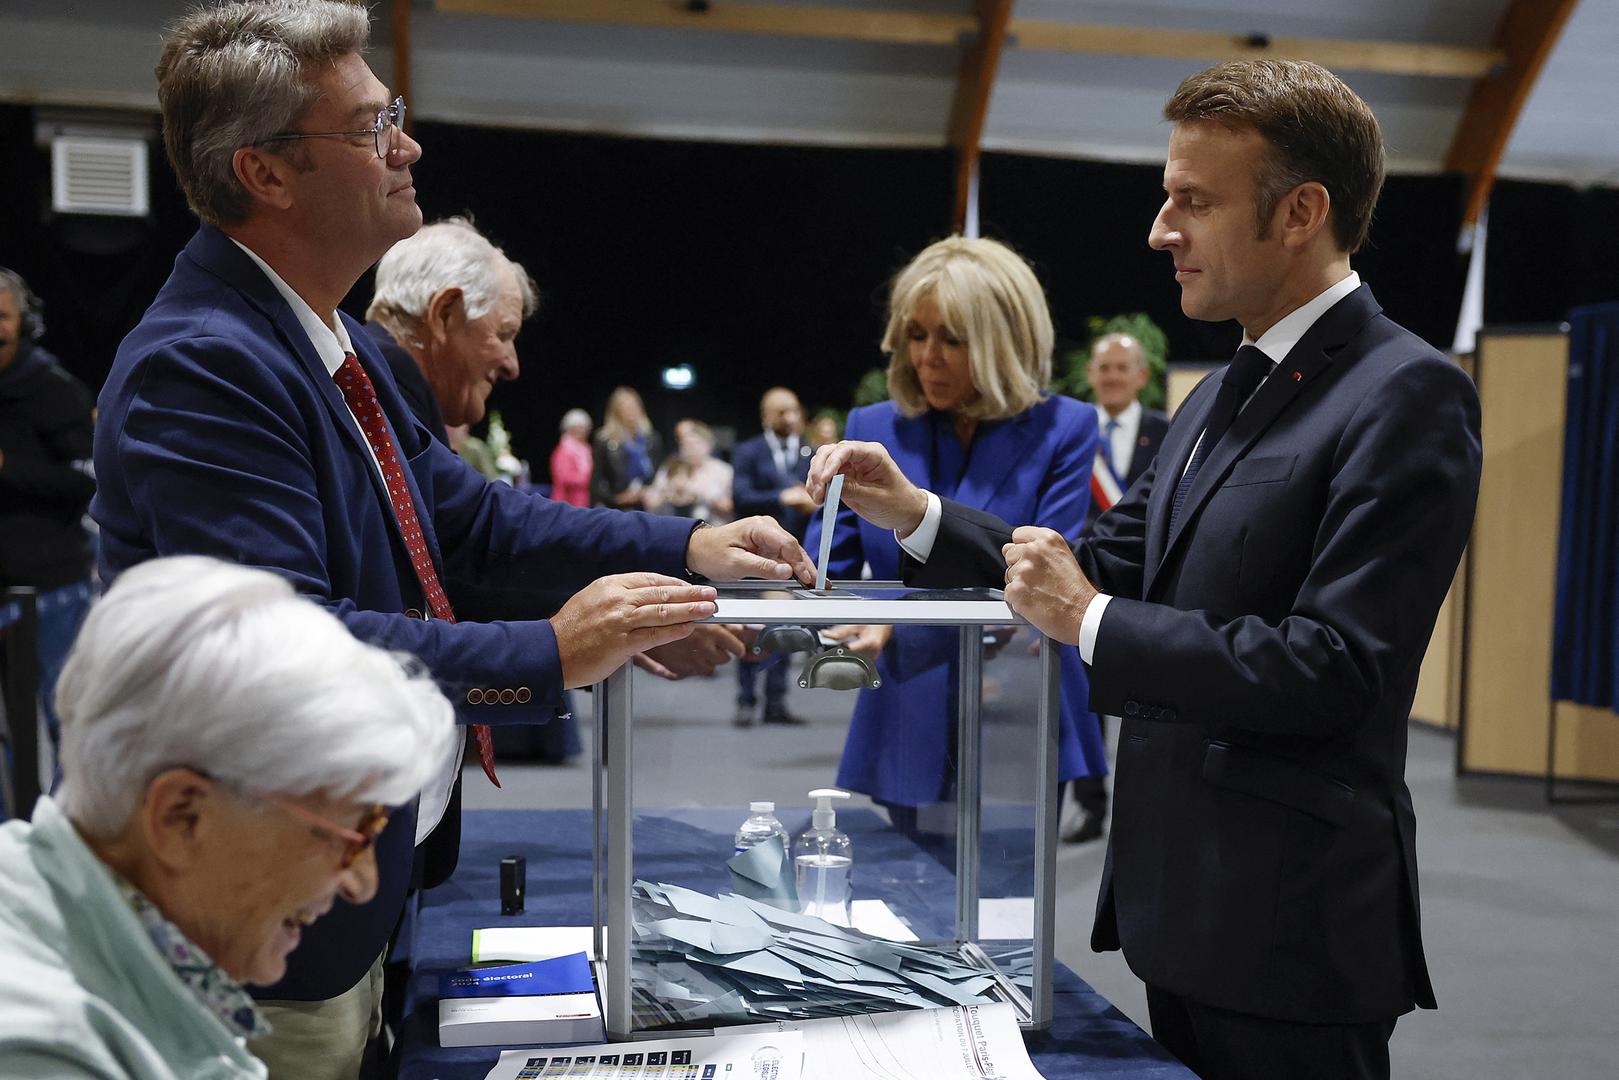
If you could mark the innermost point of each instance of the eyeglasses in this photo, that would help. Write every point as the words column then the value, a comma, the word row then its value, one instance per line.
column 359, row 839
column 393, row 116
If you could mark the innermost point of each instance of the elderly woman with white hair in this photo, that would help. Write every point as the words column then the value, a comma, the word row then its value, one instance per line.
column 969, row 340
column 229, row 755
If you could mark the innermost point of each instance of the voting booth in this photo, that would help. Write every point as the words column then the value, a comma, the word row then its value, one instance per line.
column 955, row 907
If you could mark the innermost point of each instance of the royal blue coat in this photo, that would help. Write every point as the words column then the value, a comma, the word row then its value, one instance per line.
column 1034, row 467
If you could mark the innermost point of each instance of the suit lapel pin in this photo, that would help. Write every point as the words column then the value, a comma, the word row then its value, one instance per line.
column 1298, row 376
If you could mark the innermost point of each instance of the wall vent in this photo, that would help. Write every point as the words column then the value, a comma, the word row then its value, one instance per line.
column 99, row 176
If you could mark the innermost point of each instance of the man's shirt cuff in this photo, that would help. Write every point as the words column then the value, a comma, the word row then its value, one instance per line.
column 1090, row 625
column 919, row 545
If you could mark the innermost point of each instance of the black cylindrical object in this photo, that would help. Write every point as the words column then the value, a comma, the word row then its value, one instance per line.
column 513, row 884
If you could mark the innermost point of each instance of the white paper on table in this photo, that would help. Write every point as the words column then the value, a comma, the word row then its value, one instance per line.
column 767, row 1054
column 526, row 944
column 876, row 918
column 967, row 1042
column 1006, row 918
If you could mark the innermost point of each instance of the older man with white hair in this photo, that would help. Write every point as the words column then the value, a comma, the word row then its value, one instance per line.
column 446, row 312
column 194, row 834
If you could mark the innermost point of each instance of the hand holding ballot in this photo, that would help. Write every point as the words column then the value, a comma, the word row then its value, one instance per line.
column 873, row 486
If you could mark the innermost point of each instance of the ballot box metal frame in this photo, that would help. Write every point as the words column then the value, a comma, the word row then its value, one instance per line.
column 761, row 603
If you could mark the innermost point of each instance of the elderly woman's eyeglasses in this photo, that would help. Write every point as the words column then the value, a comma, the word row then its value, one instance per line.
column 388, row 118
column 358, row 839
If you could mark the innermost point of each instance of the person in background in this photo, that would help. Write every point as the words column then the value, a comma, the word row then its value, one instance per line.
column 824, row 429
column 769, row 479
column 694, row 483
column 1130, row 433
column 626, row 450
column 446, row 311
column 969, row 341
column 190, row 842
column 571, row 460
column 1130, row 436
column 46, row 481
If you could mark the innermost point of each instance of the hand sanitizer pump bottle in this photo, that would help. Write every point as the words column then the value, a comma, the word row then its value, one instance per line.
column 823, row 859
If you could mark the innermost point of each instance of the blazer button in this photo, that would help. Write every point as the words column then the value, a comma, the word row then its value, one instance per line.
column 1131, row 708
column 507, row 696
column 524, row 695
column 475, row 696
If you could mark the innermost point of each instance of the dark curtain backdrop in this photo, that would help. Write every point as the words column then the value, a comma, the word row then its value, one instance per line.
column 765, row 264
column 1585, row 650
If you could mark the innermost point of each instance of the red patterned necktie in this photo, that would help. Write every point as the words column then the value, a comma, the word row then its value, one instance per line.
column 362, row 401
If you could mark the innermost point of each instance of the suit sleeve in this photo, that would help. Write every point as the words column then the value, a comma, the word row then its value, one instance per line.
column 1396, row 516
column 218, row 461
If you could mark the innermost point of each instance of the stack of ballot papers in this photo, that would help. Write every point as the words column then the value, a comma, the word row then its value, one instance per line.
column 732, row 959
column 960, row 1043
column 549, row 1001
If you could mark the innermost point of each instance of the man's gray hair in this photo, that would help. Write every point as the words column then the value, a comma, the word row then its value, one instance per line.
column 448, row 254
column 193, row 662
column 1129, row 341
column 235, row 74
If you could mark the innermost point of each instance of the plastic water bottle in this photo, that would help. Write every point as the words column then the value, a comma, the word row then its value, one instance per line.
column 759, row 827
column 823, row 861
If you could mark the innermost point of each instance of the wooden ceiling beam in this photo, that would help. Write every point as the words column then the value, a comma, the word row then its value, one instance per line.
column 980, row 62
column 924, row 28
column 791, row 20
column 402, row 56
column 1527, row 33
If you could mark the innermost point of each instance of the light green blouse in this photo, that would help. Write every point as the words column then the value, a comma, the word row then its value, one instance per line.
column 84, row 991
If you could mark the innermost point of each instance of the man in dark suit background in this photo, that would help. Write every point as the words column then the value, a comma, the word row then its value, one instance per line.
column 1129, row 433
column 769, row 479
column 1128, row 436
column 245, row 418
column 1258, row 605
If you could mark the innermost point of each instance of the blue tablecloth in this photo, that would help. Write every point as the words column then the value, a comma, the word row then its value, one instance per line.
column 1088, row 1037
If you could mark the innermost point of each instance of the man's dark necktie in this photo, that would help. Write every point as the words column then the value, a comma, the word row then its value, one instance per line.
column 1248, row 369
column 361, row 397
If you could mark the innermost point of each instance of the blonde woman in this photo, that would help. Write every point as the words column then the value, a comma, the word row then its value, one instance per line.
column 969, row 342
column 626, row 450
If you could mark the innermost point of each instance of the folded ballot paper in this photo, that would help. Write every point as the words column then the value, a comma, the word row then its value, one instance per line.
column 550, row 1001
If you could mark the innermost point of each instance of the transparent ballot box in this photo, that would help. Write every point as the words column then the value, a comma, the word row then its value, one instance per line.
column 952, row 883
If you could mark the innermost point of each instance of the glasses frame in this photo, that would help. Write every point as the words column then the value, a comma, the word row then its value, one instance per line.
column 358, row 840
column 389, row 116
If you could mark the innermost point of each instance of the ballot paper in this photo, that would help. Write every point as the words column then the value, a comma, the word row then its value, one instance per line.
column 524, row 944
column 764, row 872
column 961, row 1043
column 765, row 1055
column 732, row 959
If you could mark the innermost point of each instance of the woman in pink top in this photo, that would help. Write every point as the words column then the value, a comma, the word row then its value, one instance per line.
column 571, row 461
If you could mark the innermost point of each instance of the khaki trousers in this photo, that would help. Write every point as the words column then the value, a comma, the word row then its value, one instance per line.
column 322, row 1040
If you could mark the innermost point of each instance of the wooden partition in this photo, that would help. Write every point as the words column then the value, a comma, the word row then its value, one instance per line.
column 1511, row 574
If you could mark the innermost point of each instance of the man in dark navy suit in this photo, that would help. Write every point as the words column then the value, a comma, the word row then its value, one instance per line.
column 245, row 418
column 1128, row 438
column 1258, row 605
column 769, row 479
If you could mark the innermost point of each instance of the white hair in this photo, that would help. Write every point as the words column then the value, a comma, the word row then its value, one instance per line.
column 193, row 662
column 1128, row 341
column 575, row 418
column 448, row 254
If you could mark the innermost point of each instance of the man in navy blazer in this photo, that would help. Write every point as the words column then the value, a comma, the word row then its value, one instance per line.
column 222, row 431
column 1256, row 608
column 768, row 478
